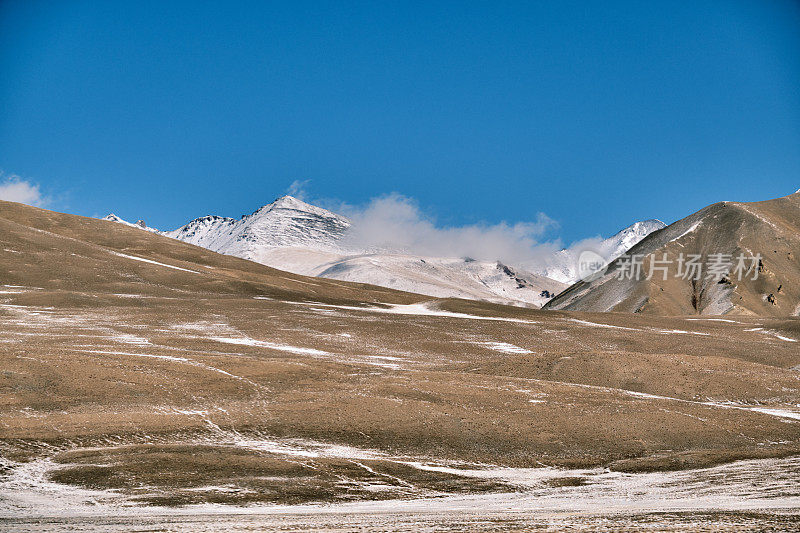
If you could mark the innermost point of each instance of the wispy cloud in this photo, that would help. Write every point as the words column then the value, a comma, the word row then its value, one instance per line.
column 298, row 189
column 15, row 189
column 396, row 223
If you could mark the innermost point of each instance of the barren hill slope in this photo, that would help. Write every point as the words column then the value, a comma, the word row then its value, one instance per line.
column 88, row 258
column 768, row 230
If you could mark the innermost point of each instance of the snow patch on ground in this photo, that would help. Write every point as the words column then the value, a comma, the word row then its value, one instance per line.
column 780, row 413
column 169, row 358
column 127, row 338
column 716, row 320
column 143, row 260
column 419, row 309
column 680, row 331
column 247, row 341
column 779, row 336
column 598, row 325
column 505, row 347
column 743, row 485
column 772, row 333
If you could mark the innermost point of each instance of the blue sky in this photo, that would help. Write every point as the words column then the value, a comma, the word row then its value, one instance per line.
column 597, row 114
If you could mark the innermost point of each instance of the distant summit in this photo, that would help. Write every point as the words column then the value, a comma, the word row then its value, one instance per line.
column 111, row 217
column 285, row 222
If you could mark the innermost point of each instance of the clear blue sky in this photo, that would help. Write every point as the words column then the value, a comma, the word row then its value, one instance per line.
column 596, row 113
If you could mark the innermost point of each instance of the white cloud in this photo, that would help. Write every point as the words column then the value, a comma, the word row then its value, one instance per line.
column 15, row 189
column 395, row 223
column 298, row 189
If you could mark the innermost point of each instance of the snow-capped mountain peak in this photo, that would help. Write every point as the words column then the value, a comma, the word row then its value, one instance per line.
column 624, row 240
column 111, row 217
column 291, row 203
column 285, row 222
column 291, row 222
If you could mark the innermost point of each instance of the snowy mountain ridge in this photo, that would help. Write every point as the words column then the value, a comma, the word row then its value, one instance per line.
column 140, row 224
column 298, row 237
column 563, row 265
column 285, row 222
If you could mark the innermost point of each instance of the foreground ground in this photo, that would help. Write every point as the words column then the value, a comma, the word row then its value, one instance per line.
column 146, row 379
column 166, row 402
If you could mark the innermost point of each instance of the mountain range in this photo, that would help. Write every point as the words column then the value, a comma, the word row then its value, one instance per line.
column 759, row 244
column 298, row 237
